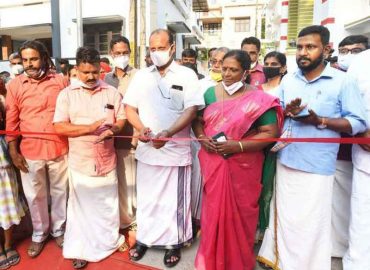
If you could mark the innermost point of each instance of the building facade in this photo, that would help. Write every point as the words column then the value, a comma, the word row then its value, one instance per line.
column 22, row 20
column 228, row 22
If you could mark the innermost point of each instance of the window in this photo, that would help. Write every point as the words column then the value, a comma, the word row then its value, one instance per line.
column 212, row 28
column 242, row 24
column 98, row 36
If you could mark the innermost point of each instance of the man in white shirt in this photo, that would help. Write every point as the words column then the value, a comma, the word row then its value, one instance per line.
column 357, row 256
column 161, row 102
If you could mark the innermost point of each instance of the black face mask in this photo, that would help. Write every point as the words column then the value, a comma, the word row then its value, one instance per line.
column 271, row 72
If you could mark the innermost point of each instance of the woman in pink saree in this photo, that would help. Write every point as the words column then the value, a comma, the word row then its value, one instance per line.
column 232, row 165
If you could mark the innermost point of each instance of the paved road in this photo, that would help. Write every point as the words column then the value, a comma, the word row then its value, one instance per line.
column 154, row 258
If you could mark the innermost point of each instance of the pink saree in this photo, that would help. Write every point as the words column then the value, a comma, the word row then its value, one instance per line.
column 231, row 186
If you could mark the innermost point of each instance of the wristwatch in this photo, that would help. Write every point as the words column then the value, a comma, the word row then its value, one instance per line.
column 323, row 124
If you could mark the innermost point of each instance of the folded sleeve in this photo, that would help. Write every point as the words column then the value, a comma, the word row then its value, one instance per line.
column 62, row 107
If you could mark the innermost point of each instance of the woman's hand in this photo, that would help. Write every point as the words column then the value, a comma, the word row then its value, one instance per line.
column 228, row 147
column 208, row 144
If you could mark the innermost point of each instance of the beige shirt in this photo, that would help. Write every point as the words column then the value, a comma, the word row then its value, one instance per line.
column 83, row 107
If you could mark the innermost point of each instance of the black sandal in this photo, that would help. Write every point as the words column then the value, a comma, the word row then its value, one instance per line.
column 139, row 250
column 4, row 264
column 12, row 259
column 172, row 253
column 78, row 264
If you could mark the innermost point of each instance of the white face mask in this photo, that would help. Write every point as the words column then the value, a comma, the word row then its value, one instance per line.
column 344, row 60
column 17, row 69
column 40, row 73
column 160, row 58
column 83, row 85
column 231, row 89
column 73, row 81
column 121, row 61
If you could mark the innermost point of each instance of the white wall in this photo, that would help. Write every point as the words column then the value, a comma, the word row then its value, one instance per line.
column 90, row 8
column 18, row 16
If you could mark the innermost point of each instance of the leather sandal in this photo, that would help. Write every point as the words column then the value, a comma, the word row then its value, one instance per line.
column 35, row 249
column 170, row 253
column 59, row 240
column 4, row 264
column 14, row 258
column 139, row 250
column 78, row 264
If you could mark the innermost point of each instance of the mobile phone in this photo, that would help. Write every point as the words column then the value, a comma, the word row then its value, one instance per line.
column 109, row 114
column 303, row 113
column 221, row 137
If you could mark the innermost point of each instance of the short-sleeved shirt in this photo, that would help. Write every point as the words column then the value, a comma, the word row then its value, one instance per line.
column 328, row 95
column 83, row 107
column 30, row 106
column 160, row 101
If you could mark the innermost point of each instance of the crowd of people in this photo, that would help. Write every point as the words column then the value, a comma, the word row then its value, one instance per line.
column 104, row 148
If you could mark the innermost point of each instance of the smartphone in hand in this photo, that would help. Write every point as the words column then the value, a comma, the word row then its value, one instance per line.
column 221, row 137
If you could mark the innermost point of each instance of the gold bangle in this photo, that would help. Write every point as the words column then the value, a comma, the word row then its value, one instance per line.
column 241, row 146
column 201, row 135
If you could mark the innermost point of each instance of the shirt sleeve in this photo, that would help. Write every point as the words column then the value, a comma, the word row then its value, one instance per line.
column 193, row 96
column 131, row 97
column 12, row 110
column 119, row 107
column 62, row 107
column 352, row 107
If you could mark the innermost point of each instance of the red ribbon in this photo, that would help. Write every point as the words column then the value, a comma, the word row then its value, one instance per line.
column 352, row 140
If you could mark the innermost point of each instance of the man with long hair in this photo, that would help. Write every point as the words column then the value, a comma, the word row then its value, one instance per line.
column 30, row 106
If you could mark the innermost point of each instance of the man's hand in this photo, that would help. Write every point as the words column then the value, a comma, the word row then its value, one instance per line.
column 105, row 135
column 311, row 119
column 366, row 134
column 228, row 147
column 294, row 107
column 19, row 161
column 158, row 141
column 145, row 135
column 96, row 125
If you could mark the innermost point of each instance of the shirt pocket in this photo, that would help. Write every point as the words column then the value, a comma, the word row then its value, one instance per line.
column 327, row 109
column 177, row 100
column 51, row 98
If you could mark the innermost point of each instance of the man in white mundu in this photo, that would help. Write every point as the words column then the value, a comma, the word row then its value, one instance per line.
column 299, row 235
column 357, row 256
column 161, row 102
column 89, row 112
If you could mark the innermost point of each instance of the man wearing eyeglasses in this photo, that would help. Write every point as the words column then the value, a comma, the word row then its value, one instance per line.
column 252, row 46
column 349, row 47
column 120, row 78
column 161, row 102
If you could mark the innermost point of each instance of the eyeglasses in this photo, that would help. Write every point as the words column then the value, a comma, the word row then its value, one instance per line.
column 352, row 51
column 213, row 61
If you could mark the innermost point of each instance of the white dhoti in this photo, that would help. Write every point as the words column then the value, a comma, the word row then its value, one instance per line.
column 163, row 206
column 303, row 207
column 126, row 173
column 92, row 217
column 341, row 207
column 357, row 256
column 196, row 181
column 46, row 177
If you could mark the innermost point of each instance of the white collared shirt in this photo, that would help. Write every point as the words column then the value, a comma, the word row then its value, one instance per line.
column 160, row 102
column 359, row 71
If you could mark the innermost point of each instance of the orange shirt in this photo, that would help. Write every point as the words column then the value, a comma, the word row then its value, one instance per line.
column 30, row 106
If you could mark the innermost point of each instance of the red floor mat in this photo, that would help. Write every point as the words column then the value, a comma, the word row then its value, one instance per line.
column 51, row 259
